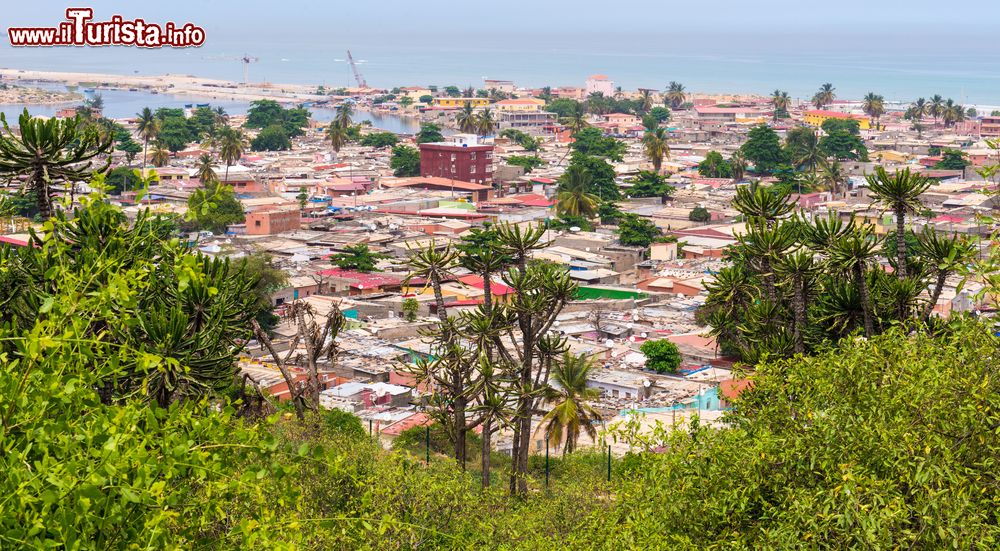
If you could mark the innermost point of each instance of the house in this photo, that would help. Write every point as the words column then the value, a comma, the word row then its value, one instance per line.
column 989, row 127
column 505, row 86
column 519, row 105
column 742, row 115
column 817, row 117
column 527, row 120
column 352, row 283
column 458, row 103
column 273, row 221
column 478, row 192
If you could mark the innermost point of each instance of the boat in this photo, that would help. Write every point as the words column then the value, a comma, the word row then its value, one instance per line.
column 89, row 90
column 188, row 105
column 201, row 105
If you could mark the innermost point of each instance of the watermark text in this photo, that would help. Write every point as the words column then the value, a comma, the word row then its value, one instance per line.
column 79, row 29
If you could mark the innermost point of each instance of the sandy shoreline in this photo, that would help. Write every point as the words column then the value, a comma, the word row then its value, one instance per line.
column 181, row 85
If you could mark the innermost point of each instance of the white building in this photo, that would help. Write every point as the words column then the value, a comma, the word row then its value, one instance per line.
column 599, row 83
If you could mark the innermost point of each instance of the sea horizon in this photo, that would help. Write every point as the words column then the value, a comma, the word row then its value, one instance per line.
column 961, row 67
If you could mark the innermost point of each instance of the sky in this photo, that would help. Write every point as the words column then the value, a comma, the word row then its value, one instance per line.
column 901, row 48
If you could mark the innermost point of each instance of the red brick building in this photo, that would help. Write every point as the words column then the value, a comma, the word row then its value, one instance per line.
column 270, row 222
column 464, row 160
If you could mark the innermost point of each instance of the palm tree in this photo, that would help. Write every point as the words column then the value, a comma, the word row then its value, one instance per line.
column 654, row 143
column 874, row 106
column 824, row 96
column 50, row 152
column 576, row 120
column 833, row 176
column 148, row 128
column 901, row 193
column 486, row 123
column 337, row 135
column 231, row 148
column 675, row 95
column 805, row 151
column 738, row 165
column 466, row 119
column 780, row 101
column 918, row 109
column 799, row 269
column 852, row 255
column 344, row 112
column 570, row 414
column 944, row 255
column 574, row 198
column 936, row 107
column 645, row 101
column 161, row 155
column 766, row 246
column 206, row 172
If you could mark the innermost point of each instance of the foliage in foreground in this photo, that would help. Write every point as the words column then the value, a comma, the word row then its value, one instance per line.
column 890, row 442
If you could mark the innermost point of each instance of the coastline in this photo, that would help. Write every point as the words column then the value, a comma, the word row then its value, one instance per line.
column 178, row 85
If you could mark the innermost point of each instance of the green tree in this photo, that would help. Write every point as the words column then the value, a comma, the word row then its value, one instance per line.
column 529, row 163
column 699, row 214
column 675, row 95
column 655, row 146
column 232, row 145
column 661, row 114
column 649, row 184
column 427, row 99
column 214, row 208
column 272, row 138
column 602, row 176
column 953, row 159
column 358, row 258
column 380, row 139
column 121, row 179
column 404, row 161
column 268, row 279
column 466, row 119
column 410, row 307
column 147, row 126
column 50, row 154
column 570, row 415
column 714, row 166
column 429, row 133
column 763, row 149
column 843, row 145
column 899, row 192
column 662, row 356
column 206, row 170
column 575, row 197
column 635, row 231
column 593, row 143
column 832, row 125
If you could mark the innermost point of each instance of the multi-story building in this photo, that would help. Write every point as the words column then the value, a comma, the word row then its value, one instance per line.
column 989, row 127
column 527, row 120
column 519, row 104
column 272, row 221
column 818, row 117
column 599, row 83
column 464, row 158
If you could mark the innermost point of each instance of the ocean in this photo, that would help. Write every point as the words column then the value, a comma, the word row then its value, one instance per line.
column 901, row 66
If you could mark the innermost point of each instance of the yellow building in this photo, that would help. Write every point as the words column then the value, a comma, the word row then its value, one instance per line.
column 520, row 105
column 460, row 102
column 817, row 117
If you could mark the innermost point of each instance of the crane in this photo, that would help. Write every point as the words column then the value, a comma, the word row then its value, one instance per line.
column 357, row 75
column 247, row 60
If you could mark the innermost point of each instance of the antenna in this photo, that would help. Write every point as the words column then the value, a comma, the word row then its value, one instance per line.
column 357, row 75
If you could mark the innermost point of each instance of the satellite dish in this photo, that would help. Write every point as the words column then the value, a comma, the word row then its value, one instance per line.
column 644, row 334
column 575, row 229
column 647, row 383
column 609, row 343
column 361, row 285
column 631, row 338
column 555, row 323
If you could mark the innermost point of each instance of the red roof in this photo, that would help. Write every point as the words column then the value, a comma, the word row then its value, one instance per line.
column 415, row 420
column 948, row 218
column 533, row 200
column 495, row 288
column 363, row 280
column 543, row 180
column 13, row 241
column 731, row 388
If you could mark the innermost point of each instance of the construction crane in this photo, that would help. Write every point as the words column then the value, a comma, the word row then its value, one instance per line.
column 357, row 75
column 247, row 60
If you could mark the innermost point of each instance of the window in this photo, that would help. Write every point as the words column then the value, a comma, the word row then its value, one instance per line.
column 256, row 223
column 472, row 169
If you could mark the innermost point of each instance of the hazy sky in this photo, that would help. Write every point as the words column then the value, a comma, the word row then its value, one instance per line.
column 902, row 48
column 420, row 17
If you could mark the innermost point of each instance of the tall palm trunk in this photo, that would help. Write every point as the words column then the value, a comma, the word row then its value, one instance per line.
column 145, row 145
column 486, row 449
column 900, row 243
column 859, row 274
column 936, row 294
column 799, row 311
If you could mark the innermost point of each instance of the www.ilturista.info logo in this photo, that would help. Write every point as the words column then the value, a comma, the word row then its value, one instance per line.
column 80, row 30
